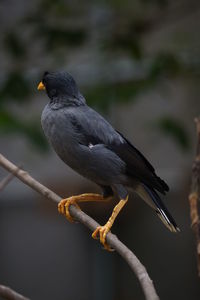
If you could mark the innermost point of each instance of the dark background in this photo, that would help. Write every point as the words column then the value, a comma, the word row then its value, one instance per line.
column 138, row 63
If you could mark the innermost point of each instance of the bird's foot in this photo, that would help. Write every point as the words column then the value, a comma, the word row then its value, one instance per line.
column 102, row 231
column 63, row 207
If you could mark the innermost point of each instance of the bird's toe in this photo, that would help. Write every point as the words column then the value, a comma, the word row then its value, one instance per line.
column 63, row 207
column 102, row 232
column 96, row 233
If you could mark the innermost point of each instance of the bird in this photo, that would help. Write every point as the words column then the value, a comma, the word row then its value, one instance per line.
column 89, row 144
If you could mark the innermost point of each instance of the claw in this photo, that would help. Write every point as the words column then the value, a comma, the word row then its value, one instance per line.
column 63, row 207
column 102, row 232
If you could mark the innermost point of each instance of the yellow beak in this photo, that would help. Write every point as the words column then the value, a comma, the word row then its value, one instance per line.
column 41, row 86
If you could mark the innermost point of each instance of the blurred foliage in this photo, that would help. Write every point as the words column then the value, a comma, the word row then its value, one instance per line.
column 14, row 45
column 15, row 88
column 11, row 124
column 127, row 41
column 59, row 27
column 176, row 130
column 59, row 37
column 102, row 95
column 120, row 92
column 55, row 28
column 165, row 64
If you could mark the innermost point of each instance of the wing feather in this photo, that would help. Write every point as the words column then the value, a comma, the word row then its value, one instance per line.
column 138, row 166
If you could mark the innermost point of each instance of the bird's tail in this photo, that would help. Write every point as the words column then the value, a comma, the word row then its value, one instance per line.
column 153, row 199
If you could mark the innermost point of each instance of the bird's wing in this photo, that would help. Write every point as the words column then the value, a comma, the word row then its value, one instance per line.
column 138, row 166
column 94, row 129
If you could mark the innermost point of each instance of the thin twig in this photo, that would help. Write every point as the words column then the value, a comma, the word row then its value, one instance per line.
column 194, row 195
column 112, row 240
column 9, row 294
column 5, row 181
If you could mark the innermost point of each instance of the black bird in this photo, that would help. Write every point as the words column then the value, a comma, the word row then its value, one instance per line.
column 87, row 143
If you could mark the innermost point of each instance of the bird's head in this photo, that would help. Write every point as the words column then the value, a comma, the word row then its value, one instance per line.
column 59, row 85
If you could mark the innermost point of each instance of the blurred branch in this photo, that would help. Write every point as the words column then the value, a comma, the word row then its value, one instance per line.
column 112, row 240
column 195, row 195
column 9, row 294
column 5, row 181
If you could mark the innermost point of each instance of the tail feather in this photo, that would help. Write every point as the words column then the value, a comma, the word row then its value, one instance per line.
column 167, row 220
column 153, row 199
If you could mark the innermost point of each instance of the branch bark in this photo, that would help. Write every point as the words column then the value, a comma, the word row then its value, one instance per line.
column 134, row 263
column 194, row 195
column 9, row 294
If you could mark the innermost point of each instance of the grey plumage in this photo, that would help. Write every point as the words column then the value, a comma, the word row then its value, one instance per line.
column 86, row 142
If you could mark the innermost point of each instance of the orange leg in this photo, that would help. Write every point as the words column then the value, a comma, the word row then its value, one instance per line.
column 64, row 204
column 103, row 230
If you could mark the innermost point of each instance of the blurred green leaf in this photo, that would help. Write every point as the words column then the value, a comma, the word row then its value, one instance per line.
column 11, row 124
column 103, row 95
column 175, row 129
column 14, row 45
column 161, row 3
column 119, row 92
column 58, row 7
column 58, row 37
column 15, row 87
column 165, row 64
column 126, row 40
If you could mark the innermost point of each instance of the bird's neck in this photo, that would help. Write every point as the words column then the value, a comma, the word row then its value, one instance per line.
column 66, row 101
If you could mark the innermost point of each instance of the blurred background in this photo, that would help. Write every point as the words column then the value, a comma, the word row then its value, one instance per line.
column 137, row 63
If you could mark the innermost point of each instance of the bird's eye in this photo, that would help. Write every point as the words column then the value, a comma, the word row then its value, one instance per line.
column 53, row 92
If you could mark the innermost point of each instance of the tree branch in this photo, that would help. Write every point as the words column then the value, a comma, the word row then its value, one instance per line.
column 135, row 265
column 5, row 181
column 9, row 294
column 194, row 195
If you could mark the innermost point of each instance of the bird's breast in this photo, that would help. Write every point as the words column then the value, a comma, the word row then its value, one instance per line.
column 60, row 133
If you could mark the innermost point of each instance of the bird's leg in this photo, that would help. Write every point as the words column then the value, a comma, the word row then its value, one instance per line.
column 64, row 204
column 103, row 230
